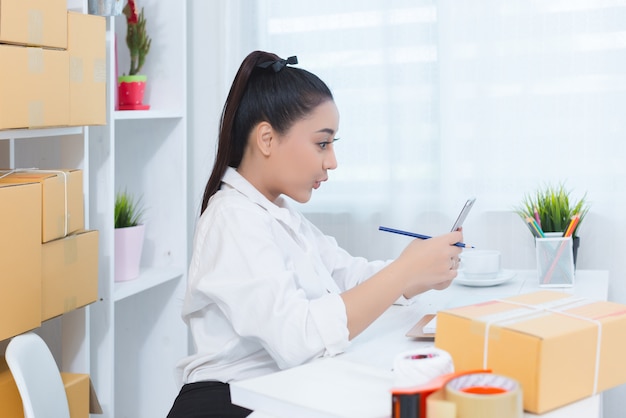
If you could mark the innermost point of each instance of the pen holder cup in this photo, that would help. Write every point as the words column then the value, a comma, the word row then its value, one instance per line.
column 555, row 262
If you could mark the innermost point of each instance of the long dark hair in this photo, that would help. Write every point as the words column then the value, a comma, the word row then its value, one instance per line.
column 262, row 92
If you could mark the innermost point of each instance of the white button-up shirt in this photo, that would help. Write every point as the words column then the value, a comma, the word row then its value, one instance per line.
column 263, row 287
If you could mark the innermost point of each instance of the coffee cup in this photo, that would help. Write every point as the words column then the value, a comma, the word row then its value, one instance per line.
column 480, row 264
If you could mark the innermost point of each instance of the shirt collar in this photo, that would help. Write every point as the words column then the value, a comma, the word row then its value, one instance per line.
column 279, row 209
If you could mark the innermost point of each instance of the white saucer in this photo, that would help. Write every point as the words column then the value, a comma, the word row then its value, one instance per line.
column 503, row 276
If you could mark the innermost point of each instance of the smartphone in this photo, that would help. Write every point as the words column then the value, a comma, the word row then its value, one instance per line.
column 461, row 218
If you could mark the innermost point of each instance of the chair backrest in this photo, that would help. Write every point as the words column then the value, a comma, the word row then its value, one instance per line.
column 37, row 377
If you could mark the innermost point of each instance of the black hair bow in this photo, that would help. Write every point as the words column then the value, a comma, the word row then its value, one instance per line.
column 279, row 64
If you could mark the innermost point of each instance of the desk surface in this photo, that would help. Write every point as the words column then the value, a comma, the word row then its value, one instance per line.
column 357, row 383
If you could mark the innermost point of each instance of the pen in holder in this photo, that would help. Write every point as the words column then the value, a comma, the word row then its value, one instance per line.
column 555, row 262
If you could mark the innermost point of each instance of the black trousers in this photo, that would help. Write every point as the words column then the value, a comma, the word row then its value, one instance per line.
column 206, row 400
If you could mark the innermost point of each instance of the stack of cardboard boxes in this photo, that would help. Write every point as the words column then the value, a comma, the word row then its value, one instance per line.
column 52, row 74
column 49, row 266
column 51, row 260
column 52, row 65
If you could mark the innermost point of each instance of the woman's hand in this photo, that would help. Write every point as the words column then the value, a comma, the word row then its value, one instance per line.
column 423, row 265
column 430, row 264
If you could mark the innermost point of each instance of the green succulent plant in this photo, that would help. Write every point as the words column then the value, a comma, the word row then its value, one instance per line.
column 554, row 206
column 128, row 212
column 137, row 37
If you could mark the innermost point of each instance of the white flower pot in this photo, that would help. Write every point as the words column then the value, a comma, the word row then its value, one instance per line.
column 128, row 248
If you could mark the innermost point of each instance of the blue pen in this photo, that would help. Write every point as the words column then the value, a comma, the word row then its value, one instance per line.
column 420, row 236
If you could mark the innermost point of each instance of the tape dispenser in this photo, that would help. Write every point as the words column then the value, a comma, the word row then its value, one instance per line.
column 473, row 393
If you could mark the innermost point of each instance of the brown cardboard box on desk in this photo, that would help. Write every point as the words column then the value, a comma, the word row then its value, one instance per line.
column 559, row 347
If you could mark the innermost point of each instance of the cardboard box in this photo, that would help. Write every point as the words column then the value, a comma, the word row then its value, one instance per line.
column 9, row 395
column 87, row 54
column 81, row 397
column 69, row 273
column 77, row 391
column 20, row 258
column 34, row 22
column 62, row 202
column 34, row 88
column 548, row 341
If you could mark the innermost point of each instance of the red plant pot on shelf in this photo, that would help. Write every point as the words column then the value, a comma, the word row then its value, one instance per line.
column 130, row 91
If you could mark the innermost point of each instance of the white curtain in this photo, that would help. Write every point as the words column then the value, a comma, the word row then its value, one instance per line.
column 443, row 100
column 380, row 59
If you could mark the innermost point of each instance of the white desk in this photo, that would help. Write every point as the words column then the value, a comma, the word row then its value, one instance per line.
column 357, row 383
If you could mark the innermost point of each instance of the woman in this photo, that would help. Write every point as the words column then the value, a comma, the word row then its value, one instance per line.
column 266, row 289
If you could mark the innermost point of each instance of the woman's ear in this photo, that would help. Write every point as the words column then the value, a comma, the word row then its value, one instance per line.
column 264, row 138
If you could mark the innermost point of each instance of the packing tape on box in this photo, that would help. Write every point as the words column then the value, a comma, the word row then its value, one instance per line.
column 35, row 26
column 477, row 395
column 76, row 70
column 35, row 66
column 36, row 118
column 417, row 367
column 528, row 311
column 35, row 60
column 99, row 70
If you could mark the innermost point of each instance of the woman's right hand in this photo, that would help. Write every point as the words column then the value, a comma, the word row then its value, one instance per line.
column 430, row 264
column 422, row 265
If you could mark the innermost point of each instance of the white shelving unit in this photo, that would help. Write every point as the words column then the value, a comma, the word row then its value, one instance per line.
column 132, row 337
column 136, row 333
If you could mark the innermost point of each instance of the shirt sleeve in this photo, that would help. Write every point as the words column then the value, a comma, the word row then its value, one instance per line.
column 347, row 270
column 242, row 268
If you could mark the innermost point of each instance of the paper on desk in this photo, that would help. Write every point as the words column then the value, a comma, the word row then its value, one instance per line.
column 325, row 388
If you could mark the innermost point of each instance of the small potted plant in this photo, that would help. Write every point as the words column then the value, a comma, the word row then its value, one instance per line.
column 131, row 87
column 129, row 236
column 550, row 210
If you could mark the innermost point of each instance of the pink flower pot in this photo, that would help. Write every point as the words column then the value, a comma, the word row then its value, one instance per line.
column 128, row 248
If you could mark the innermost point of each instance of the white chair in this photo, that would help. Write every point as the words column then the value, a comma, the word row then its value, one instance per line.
column 37, row 377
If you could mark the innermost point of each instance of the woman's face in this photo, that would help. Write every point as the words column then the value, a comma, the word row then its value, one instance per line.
column 304, row 154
